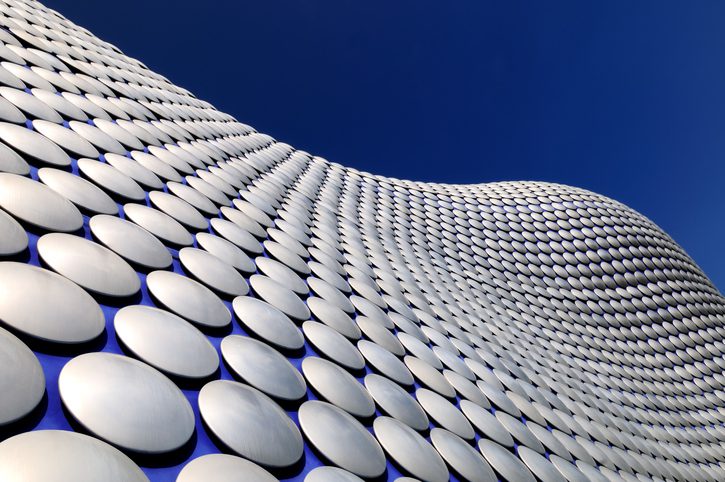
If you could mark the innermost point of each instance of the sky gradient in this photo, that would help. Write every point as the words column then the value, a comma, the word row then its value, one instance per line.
column 623, row 98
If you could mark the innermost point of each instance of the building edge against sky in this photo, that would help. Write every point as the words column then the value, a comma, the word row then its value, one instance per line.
column 177, row 285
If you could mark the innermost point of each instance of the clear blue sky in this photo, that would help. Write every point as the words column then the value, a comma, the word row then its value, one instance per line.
column 620, row 97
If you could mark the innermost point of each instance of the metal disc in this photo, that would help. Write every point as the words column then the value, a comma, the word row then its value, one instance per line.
column 282, row 275
column 444, row 413
column 193, row 197
column 461, row 457
column 22, row 382
column 243, row 221
column 250, row 423
column 134, row 170
column 499, row 399
column 419, row 349
column 379, row 334
column 33, row 145
column 47, row 306
column 568, row 469
column 130, row 241
column 333, row 345
column 234, row 234
column 213, row 272
column 165, row 341
column 150, row 414
column 429, row 376
column 331, row 474
column 110, row 179
column 341, row 439
column 328, row 292
column 520, row 431
column 11, row 162
column 466, row 389
column 59, row 103
column 223, row 468
column 180, row 210
column 157, row 166
column 117, row 132
column 10, row 113
column 280, row 297
column 333, row 317
column 539, row 466
column 268, row 323
column 504, row 462
column 38, row 205
column 262, row 367
column 286, row 256
column 396, row 402
column 409, row 450
column 60, row 456
column 226, row 251
column 90, row 265
column 486, row 423
column 66, row 138
column 338, row 387
column 161, row 225
column 30, row 104
column 13, row 238
column 188, row 299
column 382, row 361
column 97, row 137
column 77, row 190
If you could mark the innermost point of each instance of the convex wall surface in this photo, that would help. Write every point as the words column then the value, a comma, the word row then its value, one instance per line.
column 184, row 298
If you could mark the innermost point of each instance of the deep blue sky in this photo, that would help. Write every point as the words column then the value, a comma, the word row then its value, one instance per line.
column 624, row 98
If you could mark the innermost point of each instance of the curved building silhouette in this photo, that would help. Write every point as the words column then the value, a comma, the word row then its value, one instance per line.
column 185, row 298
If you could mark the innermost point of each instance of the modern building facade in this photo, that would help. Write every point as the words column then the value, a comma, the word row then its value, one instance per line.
column 185, row 298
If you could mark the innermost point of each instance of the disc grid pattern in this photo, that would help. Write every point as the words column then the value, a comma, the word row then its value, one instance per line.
column 183, row 286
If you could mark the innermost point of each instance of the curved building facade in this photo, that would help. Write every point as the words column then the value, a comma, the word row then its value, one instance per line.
column 185, row 298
